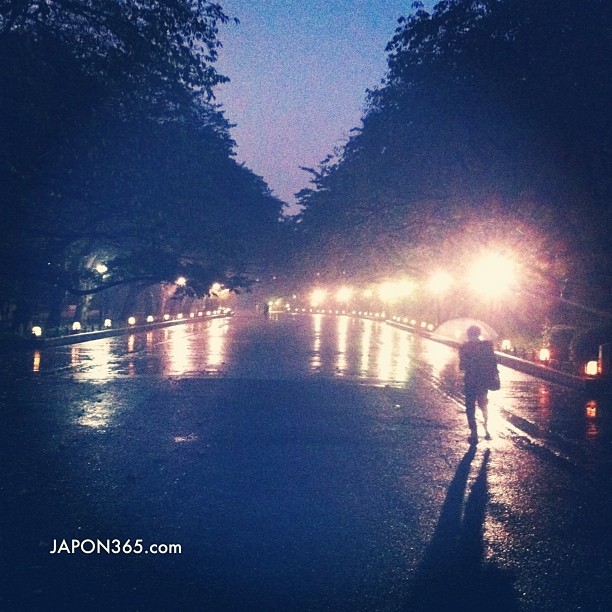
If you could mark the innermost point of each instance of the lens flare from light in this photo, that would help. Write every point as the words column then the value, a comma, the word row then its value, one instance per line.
column 493, row 275
column 317, row 297
column 440, row 282
column 344, row 294
column 391, row 291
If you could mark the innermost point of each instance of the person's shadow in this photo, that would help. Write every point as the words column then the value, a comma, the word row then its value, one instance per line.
column 453, row 574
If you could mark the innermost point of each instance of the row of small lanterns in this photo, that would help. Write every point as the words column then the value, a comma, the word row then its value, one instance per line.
column 37, row 331
column 363, row 313
column 591, row 368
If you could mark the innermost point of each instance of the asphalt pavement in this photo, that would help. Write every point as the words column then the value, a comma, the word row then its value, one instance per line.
column 292, row 464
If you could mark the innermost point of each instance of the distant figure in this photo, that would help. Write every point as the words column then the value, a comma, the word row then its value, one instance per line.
column 477, row 360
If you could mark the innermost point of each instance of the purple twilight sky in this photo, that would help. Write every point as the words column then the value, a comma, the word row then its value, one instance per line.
column 299, row 70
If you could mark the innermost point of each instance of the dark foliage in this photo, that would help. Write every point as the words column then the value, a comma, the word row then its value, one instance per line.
column 491, row 128
column 113, row 153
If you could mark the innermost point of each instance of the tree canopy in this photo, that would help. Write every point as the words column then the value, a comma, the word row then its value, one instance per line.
column 114, row 152
column 491, row 126
column 152, row 43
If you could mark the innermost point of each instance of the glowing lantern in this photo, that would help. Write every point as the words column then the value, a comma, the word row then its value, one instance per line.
column 591, row 409
column 591, row 368
column 544, row 354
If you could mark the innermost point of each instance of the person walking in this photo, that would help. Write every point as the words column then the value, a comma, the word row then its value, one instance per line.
column 477, row 361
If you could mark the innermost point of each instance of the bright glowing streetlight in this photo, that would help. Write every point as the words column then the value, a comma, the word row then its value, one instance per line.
column 181, row 281
column 391, row 291
column 440, row 282
column 317, row 297
column 101, row 268
column 493, row 275
column 344, row 294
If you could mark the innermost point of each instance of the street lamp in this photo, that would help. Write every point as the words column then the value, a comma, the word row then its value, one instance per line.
column 317, row 297
column 344, row 294
column 439, row 284
column 181, row 281
column 390, row 292
column 492, row 275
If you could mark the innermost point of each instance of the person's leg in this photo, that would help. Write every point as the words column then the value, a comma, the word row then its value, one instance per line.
column 483, row 404
column 470, row 412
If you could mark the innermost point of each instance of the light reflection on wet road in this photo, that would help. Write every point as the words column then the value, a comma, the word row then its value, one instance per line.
column 365, row 351
column 239, row 439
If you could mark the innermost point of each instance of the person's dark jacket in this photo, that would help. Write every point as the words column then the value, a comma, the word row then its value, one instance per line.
column 477, row 360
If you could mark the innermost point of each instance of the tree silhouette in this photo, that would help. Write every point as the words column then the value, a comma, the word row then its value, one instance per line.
column 493, row 112
column 114, row 151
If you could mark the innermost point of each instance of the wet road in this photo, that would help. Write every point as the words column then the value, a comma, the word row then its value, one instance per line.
column 564, row 421
column 301, row 463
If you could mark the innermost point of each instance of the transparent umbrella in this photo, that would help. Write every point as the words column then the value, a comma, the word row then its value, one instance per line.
column 456, row 329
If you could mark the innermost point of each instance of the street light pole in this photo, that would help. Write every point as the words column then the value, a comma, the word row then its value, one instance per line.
column 439, row 284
